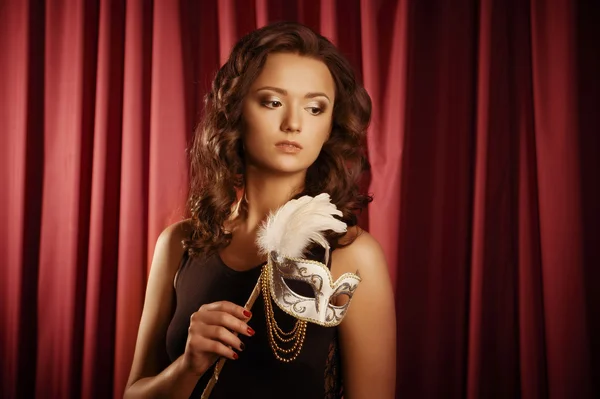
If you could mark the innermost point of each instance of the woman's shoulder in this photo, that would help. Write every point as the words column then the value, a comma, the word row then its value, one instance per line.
column 357, row 239
column 169, row 245
column 177, row 231
column 359, row 251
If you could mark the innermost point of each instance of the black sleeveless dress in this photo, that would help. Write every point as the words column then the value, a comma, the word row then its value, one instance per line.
column 316, row 373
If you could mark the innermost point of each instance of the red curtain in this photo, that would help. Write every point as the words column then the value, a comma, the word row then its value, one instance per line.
column 484, row 150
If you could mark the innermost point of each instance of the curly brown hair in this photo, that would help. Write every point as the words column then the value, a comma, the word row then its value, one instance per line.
column 217, row 157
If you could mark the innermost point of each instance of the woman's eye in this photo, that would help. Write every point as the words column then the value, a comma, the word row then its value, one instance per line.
column 314, row 110
column 272, row 104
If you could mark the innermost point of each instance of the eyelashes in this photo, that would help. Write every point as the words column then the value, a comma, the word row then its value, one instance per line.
column 313, row 109
column 271, row 103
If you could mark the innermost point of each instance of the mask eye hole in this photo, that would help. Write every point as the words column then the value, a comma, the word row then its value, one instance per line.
column 339, row 299
column 300, row 287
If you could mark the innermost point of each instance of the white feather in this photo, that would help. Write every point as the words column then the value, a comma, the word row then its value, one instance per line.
column 290, row 229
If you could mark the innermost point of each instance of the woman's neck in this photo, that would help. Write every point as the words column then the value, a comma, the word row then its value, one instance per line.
column 265, row 194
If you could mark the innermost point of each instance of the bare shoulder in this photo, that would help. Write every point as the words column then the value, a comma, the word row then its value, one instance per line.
column 150, row 357
column 176, row 232
column 368, row 332
column 362, row 253
column 170, row 242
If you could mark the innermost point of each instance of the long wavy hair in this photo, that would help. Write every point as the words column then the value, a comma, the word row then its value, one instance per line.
column 217, row 157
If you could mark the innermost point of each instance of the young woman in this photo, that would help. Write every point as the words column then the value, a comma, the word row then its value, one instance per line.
column 285, row 117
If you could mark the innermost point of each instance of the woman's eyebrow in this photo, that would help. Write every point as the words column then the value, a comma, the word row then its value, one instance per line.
column 317, row 94
column 284, row 92
column 275, row 89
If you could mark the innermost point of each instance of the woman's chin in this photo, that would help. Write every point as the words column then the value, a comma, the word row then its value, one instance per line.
column 281, row 168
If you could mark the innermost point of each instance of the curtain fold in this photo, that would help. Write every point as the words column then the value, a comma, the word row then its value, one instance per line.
column 484, row 154
column 133, row 245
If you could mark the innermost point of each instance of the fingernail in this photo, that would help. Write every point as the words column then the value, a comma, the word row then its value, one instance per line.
column 247, row 313
column 235, row 356
column 242, row 346
column 251, row 331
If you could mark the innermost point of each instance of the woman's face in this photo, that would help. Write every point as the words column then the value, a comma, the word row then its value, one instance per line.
column 288, row 113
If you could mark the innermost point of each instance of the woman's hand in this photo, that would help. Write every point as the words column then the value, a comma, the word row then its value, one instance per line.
column 213, row 333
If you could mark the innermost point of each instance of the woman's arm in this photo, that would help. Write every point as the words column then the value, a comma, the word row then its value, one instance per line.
column 368, row 331
column 149, row 378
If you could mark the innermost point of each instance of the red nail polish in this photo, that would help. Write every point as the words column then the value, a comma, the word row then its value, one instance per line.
column 247, row 313
column 235, row 356
column 251, row 331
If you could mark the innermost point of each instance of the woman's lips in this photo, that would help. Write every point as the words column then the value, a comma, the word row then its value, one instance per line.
column 288, row 147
